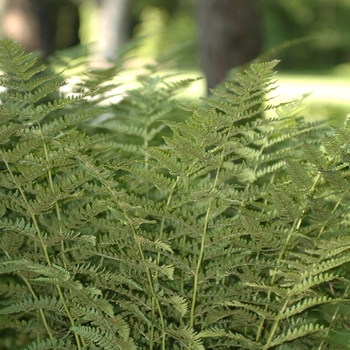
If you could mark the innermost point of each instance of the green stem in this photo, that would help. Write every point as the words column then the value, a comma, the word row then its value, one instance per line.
column 90, row 168
column 276, row 322
column 154, row 300
column 199, row 265
column 57, row 208
column 204, row 235
column 41, row 311
column 334, row 318
column 296, row 225
column 44, row 247
column 331, row 214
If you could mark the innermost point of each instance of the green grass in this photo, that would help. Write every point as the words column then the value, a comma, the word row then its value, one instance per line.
column 329, row 93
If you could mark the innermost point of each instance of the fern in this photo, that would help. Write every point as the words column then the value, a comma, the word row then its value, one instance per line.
column 133, row 226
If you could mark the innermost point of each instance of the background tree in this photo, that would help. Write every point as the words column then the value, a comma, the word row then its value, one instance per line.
column 113, row 21
column 53, row 24
column 29, row 23
column 40, row 24
column 230, row 34
column 326, row 21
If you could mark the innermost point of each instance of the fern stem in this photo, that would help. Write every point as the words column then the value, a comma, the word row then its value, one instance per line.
column 161, row 231
column 151, row 284
column 41, row 310
column 44, row 247
column 35, row 222
column 345, row 193
column 204, row 234
column 276, row 322
column 334, row 317
column 87, row 165
column 58, row 213
column 295, row 226
column 199, row 265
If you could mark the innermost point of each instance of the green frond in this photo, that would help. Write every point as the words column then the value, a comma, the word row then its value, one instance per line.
column 56, row 344
column 286, row 206
column 16, row 290
column 236, row 339
column 299, row 176
column 330, row 248
column 306, row 304
column 30, row 85
column 295, row 333
column 276, row 290
column 18, row 152
column 44, row 109
column 15, row 63
column 47, row 303
column 157, row 246
column 187, row 335
column 57, row 125
column 310, row 282
column 158, row 180
column 167, row 160
column 7, row 131
column 261, row 311
column 18, row 226
column 113, row 280
column 95, row 300
column 105, row 339
column 238, row 316
column 133, row 309
column 336, row 180
column 165, row 270
column 270, row 169
column 315, row 156
column 124, row 227
column 180, row 304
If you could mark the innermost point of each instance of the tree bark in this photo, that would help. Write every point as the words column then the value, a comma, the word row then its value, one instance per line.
column 230, row 34
column 113, row 26
column 30, row 23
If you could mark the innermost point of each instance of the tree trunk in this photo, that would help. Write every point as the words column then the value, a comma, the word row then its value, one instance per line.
column 113, row 26
column 230, row 34
column 30, row 23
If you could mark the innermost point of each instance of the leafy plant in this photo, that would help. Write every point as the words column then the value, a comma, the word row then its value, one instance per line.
column 230, row 233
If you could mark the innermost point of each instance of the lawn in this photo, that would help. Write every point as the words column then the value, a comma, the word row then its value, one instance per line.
column 329, row 93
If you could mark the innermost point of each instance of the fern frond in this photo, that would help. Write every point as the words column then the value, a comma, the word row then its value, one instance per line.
column 235, row 339
column 250, row 307
column 49, row 344
column 180, row 303
column 120, row 230
column 15, row 62
column 186, row 335
column 106, row 340
column 294, row 334
column 306, row 304
column 47, row 303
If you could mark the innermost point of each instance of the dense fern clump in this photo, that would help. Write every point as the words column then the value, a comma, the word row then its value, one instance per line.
column 230, row 232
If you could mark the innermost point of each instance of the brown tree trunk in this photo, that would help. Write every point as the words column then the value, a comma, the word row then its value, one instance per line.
column 230, row 34
column 29, row 22
column 40, row 24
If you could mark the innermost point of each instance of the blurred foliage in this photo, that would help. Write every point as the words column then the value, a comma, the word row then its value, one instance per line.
column 163, row 31
column 169, row 23
column 327, row 21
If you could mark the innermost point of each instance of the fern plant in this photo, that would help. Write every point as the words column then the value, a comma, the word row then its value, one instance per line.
column 228, row 233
